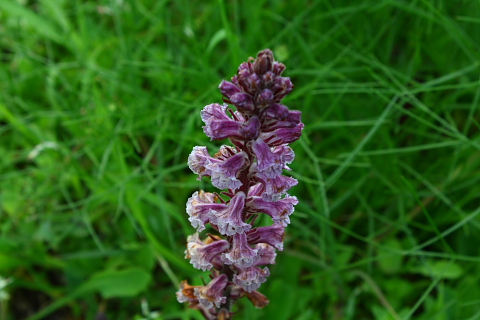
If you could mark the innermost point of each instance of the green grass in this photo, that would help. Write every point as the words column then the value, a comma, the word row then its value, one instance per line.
column 388, row 223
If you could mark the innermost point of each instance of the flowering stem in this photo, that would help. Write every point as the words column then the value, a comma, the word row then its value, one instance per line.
column 260, row 130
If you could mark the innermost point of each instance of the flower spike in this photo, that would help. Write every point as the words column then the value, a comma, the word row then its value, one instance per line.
column 250, row 175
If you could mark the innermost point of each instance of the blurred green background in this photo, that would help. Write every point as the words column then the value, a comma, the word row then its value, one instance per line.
column 99, row 109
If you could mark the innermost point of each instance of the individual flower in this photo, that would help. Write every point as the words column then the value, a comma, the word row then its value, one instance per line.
column 275, row 187
column 186, row 292
column 251, row 278
column 271, row 161
column 241, row 254
column 198, row 207
column 282, row 135
column 212, row 294
column 266, row 254
column 272, row 235
column 201, row 254
column 218, row 125
column 279, row 210
column 229, row 219
column 223, row 168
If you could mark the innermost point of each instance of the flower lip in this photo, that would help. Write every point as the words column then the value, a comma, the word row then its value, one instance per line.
column 212, row 294
column 199, row 206
column 201, row 254
column 251, row 278
column 241, row 254
column 272, row 235
column 229, row 219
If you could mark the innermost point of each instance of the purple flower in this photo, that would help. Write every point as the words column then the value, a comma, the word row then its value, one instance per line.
column 276, row 187
column 251, row 278
column 266, row 254
column 224, row 174
column 229, row 219
column 201, row 254
column 267, row 162
column 272, row 235
column 271, row 161
column 212, row 294
column 241, row 254
column 218, row 125
column 223, row 168
column 282, row 135
column 279, row 210
column 198, row 160
column 198, row 207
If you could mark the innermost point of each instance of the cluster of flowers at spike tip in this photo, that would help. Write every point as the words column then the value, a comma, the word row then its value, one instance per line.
column 250, row 175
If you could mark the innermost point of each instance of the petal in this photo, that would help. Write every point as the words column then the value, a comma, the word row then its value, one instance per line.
column 282, row 87
column 241, row 254
column 214, row 111
column 224, row 173
column 229, row 219
column 266, row 254
column 264, row 98
column 279, row 210
column 282, row 135
column 243, row 101
column 228, row 89
column 256, row 190
column 212, row 294
column 275, row 187
column 199, row 206
column 268, row 162
column 264, row 62
column 273, row 235
column 251, row 278
column 201, row 254
column 198, row 159
column 251, row 128
column 223, row 129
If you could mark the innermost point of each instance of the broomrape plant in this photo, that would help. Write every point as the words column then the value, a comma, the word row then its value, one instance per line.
column 251, row 173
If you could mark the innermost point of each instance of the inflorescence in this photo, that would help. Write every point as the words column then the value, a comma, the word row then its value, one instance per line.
column 251, row 173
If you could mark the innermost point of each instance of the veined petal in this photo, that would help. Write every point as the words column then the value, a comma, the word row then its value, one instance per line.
column 251, row 278
column 282, row 135
column 275, row 187
column 214, row 111
column 273, row 235
column 266, row 254
column 201, row 254
column 241, row 254
column 228, row 89
column 198, row 207
column 280, row 210
column 229, row 219
column 212, row 294
column 224, row 173
column 198, row 160
column 267, row 162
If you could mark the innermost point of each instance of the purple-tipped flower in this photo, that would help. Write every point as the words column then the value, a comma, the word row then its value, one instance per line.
column 223, row 168
column 251, row 278
column 229, row 220
column 242, row 255
column 250, row 175
column 279, row 210
column 212, row 294
column 201, row 254
column 272, row 235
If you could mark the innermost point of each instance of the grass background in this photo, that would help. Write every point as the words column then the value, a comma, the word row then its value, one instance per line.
column 99, row 109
